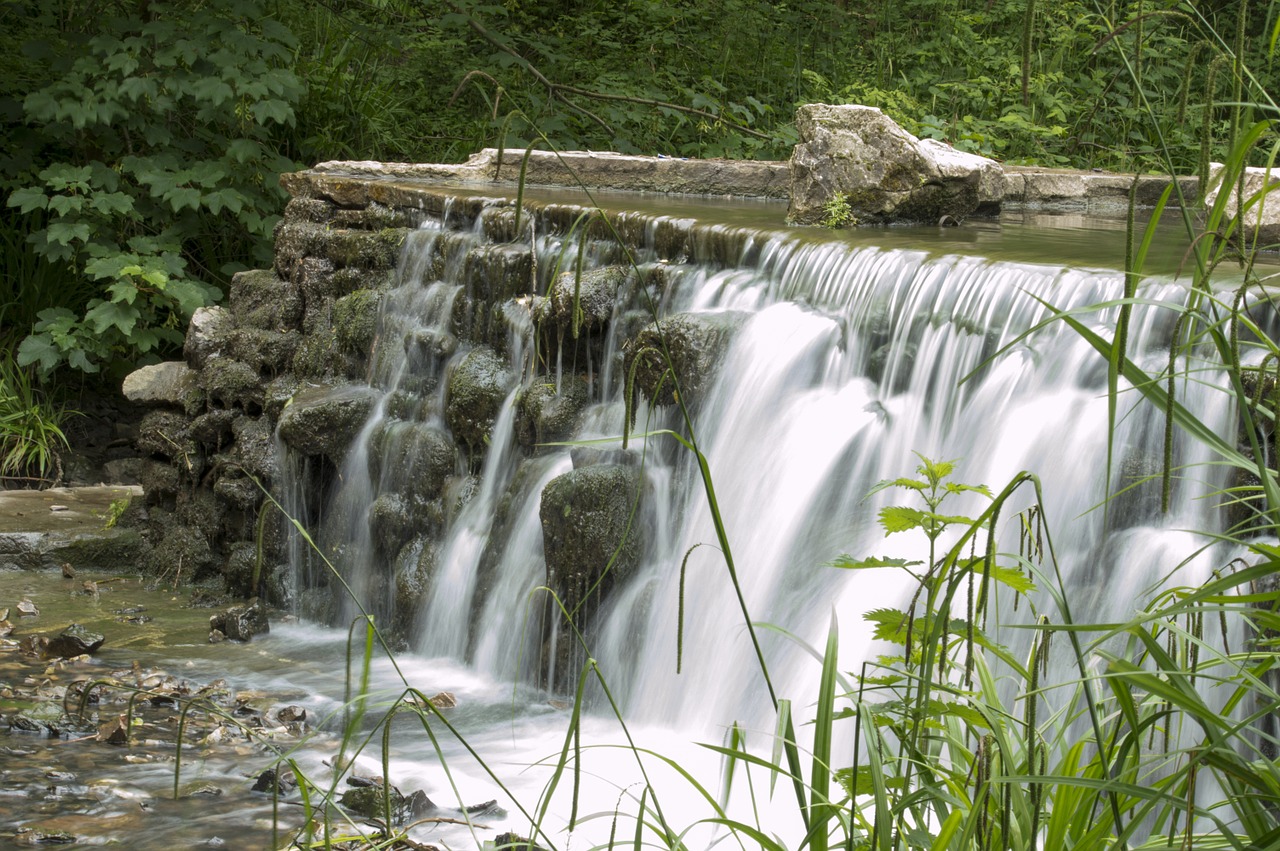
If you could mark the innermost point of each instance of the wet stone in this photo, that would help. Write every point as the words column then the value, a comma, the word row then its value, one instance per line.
column 241, row 623
column 75, row 640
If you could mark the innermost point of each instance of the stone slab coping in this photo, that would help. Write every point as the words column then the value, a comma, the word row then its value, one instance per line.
column 1025, row 186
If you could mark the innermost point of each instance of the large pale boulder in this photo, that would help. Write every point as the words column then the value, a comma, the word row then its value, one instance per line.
column 1261, row 193
column 168, row 383
column 883, row 172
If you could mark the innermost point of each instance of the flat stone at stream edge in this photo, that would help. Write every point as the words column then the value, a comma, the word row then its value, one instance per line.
column 73, row 641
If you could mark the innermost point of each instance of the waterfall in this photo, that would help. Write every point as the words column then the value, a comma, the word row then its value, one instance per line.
column 840, row 362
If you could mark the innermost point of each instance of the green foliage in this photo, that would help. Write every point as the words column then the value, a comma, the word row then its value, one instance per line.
column 31, row 436
column 148, row 168
column 836, row 213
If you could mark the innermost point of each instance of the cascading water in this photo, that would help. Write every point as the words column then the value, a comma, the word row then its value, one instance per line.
column 841, row 362
column 844, row 361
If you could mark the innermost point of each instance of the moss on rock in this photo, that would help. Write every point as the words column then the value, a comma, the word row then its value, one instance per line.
column 476, row 390
column 355, row 321
column 545, row 413
column 324, row 420
column 696, row 343
column 589, row 534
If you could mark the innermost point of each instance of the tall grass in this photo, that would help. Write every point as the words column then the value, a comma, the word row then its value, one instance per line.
column 31, row 436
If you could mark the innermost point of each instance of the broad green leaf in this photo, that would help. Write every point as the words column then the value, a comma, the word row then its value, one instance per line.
column 78, row 359
column 39, row 349
column 111, row 202
column 123, row 291
column 899, row 518
column 64, row 233
column 273, row 110
column 848, row 562
column 183, row 197
column 28, row 198
column 189, row 295
column 112, row 314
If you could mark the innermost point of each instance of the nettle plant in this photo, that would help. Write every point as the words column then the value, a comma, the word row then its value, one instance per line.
column 153, row 170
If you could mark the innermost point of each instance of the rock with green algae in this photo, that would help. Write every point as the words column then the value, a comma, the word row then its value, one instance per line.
column 588, row 525
column 355, row 321
column 591, row 298
column 696, row 343
column 477, row 387
column 546, row 413
column 324, row 420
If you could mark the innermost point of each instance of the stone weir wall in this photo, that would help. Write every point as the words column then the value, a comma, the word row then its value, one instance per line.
column 289, row 355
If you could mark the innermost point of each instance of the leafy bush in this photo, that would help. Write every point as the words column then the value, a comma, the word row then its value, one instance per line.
column 148, row 169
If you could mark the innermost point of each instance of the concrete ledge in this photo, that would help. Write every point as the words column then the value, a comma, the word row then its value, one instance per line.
column 1026, row 187
column 595, row 170
column 44, row 529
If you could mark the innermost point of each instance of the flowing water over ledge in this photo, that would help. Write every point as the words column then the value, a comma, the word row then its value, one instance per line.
column 844, row 355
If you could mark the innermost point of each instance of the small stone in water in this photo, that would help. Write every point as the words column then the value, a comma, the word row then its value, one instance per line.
column 200, row 790
column 290, row 714
column 27, row 608
column 444, row 700
column 115, row 731
column 57, row 508
column 270, row 778
column 60, row 776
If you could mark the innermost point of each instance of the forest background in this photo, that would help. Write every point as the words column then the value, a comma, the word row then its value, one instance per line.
column 142, row 140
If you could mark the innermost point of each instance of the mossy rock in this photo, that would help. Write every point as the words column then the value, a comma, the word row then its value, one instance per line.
column 696, row 342
column 355, row 321
column 477, row 387
column 324, row 420
column 167, row 434
column 317, row 356
column 375, row 217
column 412, row 458
column 213, row 428
column 265, row 351
column 496, row 273
column 314, row 210
column 588, row 525
column 263, row 300
column 232, row 384
column 597, row 295
column 181, row 550
column 112, row 550
column 361, row 249
column 371, row 801
column 545, row 414
column 254, row 451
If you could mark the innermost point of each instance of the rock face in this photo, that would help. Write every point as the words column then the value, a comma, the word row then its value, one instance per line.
column 241, row 623
column 588, row 525
column 882, row 172
column 323, row 420
column 695, row 341
column 476, row 390
column 1260, row 225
